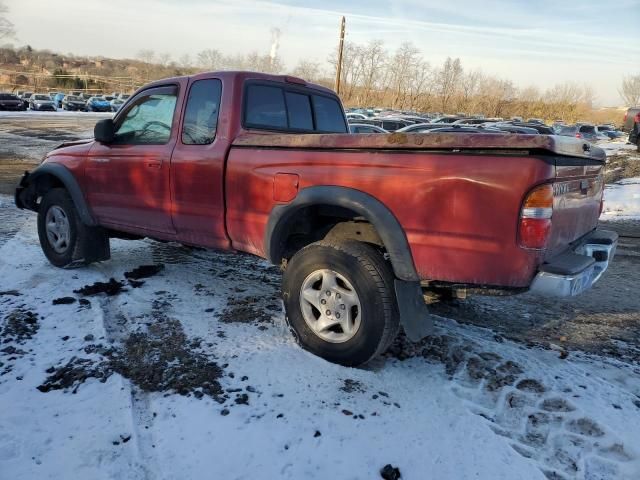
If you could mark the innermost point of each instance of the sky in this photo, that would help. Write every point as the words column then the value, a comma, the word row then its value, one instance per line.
column 534, row 42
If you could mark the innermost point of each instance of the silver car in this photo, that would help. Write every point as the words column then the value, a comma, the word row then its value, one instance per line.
column 42, row 102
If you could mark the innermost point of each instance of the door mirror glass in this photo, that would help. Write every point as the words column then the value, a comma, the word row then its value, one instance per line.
column 104, row 131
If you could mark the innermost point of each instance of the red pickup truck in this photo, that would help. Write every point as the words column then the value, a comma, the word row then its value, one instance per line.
column 360, row 224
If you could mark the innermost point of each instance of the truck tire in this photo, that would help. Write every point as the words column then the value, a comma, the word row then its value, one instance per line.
column 340, row 301
column 65, row 240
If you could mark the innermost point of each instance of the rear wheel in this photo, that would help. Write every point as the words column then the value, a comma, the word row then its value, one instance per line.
column 340, row 301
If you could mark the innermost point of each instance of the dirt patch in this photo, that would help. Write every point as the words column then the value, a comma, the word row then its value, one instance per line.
column 248, row 310
column 352, row 386
column 110, row 288
column 74, row 373
column 63, row 301
column 622, row 166
column 144, row 271
column 164, row 359
column 19, row 326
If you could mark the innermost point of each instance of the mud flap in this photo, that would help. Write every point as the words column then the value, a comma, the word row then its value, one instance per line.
column 414, row 315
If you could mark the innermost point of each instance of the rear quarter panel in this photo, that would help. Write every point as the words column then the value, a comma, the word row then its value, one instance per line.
column 459, row 211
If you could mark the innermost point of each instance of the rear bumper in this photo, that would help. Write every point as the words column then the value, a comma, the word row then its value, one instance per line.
column 573, row 272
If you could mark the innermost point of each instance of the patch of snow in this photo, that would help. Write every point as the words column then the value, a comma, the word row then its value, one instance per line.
column 622, row 199
column 615, row 147
column 300, row 420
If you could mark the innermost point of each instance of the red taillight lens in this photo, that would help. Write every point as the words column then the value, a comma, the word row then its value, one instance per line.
column 578, row 135
column 535, row 218
column 534, row 232
column 626, row 115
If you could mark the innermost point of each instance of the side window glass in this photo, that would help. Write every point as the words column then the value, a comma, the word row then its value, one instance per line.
column 265, row 107
column 299, row 111
column 329, row 117
column 201, row 114
column 148, row 122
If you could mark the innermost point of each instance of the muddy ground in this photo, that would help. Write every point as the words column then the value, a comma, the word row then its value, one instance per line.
column 26, row 137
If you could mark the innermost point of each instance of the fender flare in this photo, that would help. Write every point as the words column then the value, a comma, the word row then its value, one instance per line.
column 385, row 223
column 64, row 175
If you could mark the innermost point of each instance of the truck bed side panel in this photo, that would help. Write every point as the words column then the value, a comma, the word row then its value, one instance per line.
column 459, row 210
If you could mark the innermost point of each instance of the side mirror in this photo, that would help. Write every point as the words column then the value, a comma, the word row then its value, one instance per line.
column 104, row 131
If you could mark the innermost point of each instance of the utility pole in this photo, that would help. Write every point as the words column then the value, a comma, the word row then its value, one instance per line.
column 340, row 48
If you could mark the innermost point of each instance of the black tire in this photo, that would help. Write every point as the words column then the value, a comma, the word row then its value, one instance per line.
column 371, row 277
column 85, row 245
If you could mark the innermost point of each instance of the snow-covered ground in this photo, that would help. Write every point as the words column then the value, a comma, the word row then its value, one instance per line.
column 622, row 199
column 465, row 403
column 615, row 147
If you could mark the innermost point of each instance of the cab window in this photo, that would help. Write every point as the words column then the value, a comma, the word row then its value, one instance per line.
column 201, row 114
column 149, row 119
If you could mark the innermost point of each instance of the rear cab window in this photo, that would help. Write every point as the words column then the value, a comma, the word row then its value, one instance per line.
column 201, row 113
column 288, row 108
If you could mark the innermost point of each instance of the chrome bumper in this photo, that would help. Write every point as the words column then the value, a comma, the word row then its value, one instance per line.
column 574, row 272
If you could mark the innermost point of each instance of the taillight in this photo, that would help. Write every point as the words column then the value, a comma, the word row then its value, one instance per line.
column 626, row 115
column 535, row 218
column 578, row 135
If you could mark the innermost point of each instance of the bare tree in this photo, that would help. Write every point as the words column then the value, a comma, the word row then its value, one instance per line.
column 373, row 58
column 6, row 27
column 164, row 59
column 404, row 62
column 469, row 88
column 210, row 59
column 307, row 70
column 185, row 61
column 448, row 81
column 146, row 56
column 630, row 90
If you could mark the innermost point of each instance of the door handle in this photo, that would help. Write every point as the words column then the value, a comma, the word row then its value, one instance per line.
column 154, row 164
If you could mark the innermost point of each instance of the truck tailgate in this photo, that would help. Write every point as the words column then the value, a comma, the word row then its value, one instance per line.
column 578, row 190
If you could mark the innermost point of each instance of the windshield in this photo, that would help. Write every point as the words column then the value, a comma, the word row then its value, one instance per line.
column 41, row 97
column 7, row 96
column 73, row 99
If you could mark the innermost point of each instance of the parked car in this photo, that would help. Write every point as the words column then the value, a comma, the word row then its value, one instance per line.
column 116, row 103
column 470, row 121
column 25, row 99
column 543, row 129
column 423, row 127
column 511, row 128
column 74, row 103
column 85, row 96
column 447, row 119
column 124, row 96
column 41, row 102
column 390, row 124
column 536, row 120
column 585, row 131
column 98, row 104
column 629, row 116
column 9, row 101
column 58, row 97
column 356, row 116
column 359, row 223
column 364, row 128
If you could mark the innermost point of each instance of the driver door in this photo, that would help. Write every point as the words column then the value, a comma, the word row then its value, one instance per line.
column 128, row 179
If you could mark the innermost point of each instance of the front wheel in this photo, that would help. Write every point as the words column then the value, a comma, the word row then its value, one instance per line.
column 340, row 301
column 65, row 240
